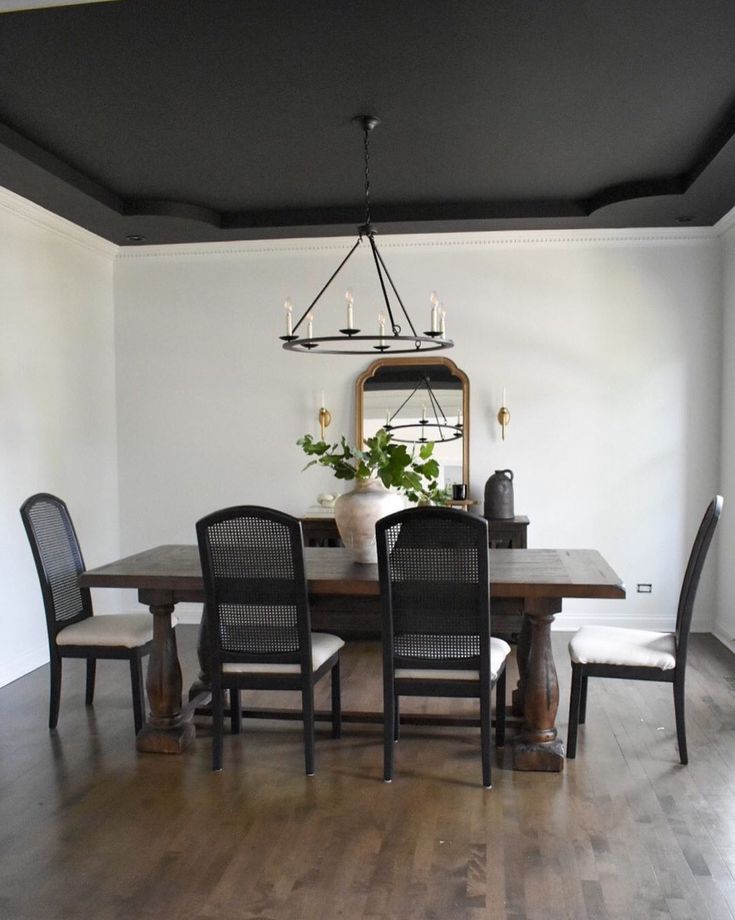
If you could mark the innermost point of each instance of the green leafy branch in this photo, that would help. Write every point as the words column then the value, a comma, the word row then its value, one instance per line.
column 383, row 459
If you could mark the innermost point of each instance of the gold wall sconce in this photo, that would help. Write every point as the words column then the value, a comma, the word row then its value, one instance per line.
column 325, row 418
column 503, row 416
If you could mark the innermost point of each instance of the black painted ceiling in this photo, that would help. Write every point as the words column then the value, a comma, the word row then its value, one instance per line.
column 192, row 120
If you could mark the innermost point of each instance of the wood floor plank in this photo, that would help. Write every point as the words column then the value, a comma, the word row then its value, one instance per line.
column 91, row 829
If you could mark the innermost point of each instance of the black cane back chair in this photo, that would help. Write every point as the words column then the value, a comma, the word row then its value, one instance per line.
column 637, row 654
column 73, row 629
column 257, row 617
column 434, row 585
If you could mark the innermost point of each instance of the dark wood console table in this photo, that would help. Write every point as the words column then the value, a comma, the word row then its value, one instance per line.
column 508, row 533
column 321, row 530
column 539, row 579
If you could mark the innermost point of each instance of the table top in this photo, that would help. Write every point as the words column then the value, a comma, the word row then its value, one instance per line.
column 554, row 573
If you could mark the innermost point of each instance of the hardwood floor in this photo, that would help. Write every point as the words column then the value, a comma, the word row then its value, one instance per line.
column 90, row 829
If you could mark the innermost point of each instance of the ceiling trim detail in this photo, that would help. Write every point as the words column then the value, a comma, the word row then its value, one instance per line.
column 492, row 239
column 331, row 221
column 34, row 214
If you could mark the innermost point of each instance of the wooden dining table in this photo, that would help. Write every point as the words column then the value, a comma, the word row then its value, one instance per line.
column 535, row 580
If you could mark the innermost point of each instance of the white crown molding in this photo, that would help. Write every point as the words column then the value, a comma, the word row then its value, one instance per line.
column 725, row 224
column 12, row 6
column 486, row 239
column 34, row 214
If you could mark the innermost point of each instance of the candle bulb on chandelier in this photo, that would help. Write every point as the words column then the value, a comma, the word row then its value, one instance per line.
column 288, row 306
column 350, row 300
column 434, row 311
column 310, row 326
column 442, row 319
column 381, row 324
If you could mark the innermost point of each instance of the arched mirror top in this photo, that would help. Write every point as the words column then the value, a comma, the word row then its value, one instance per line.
column 395, row 389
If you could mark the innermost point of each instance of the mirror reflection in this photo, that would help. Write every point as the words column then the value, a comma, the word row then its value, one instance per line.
column 419, row 400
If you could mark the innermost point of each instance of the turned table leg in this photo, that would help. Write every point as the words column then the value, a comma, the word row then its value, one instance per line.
column 537, row 746
column 522, row 651
column 167, row 730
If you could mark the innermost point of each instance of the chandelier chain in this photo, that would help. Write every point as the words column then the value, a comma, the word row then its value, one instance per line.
column 367, row 176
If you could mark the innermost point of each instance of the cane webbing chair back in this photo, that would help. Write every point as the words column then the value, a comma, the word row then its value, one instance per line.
column 73, row 631
column 253, row 566
column 58, row 559
column 434, row 578
column 257, row 617
column 435, row 593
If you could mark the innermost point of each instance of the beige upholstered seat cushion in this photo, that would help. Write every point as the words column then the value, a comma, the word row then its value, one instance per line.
column 617, row 645
column 323, row 646
column 499, row 651
column 128, row 630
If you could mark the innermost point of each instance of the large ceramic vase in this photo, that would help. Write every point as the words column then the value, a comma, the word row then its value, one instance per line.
column 356, row 512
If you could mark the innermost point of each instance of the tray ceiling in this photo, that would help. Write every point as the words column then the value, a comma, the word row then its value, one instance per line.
column 193, row 120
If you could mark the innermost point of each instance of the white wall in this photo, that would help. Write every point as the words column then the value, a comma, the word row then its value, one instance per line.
column 724, row 627
column 608, row 345
column 57, row 405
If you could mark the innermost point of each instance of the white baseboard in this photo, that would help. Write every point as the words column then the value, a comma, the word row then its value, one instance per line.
column 22, row 664
column 725, row 638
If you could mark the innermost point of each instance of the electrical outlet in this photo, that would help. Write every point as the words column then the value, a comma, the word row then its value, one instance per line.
column 644, row 588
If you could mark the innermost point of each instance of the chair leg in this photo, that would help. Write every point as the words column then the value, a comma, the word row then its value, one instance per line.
column 336, row 702
column 486, row 739
column 136, row 682
column 500, row 710
column 396, row 718
column 307, row 698
column 235, row 711
column 55, row 694
column 575, row 700
column 389, row 729
column 218, row 726
column 681, row 730
column 91, row 672
column 583, row 701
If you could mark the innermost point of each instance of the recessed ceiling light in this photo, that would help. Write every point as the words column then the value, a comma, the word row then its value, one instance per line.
column 136, row 238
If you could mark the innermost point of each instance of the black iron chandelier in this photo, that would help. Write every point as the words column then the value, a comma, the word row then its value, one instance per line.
column 432, row 427
column 350, row 341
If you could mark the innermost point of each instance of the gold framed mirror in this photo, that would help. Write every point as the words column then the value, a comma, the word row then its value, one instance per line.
column 424, row 399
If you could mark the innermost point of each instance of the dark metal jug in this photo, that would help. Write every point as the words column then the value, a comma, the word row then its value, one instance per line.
column 499, row 495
